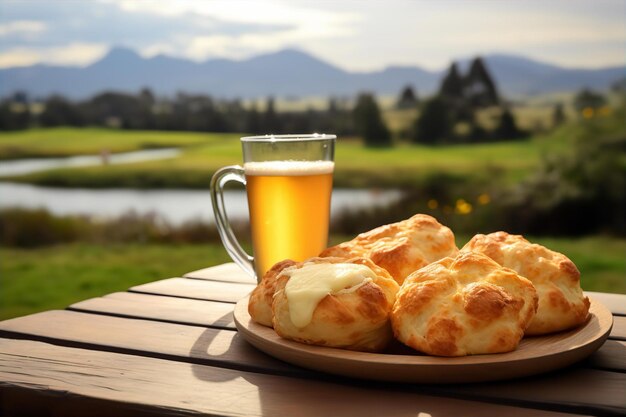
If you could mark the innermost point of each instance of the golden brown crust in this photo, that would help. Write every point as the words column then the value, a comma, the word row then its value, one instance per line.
column 356, row 320
column 260, row 304
column 562, row 304
column 402, row 247
column 463, row 306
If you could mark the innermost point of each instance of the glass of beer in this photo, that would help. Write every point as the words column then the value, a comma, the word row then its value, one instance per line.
column 288, row 180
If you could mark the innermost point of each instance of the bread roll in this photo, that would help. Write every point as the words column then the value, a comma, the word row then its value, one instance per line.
column 461, row 306
column 562, row 304
column 260, row 304
column 402, row 247
column 335, row 302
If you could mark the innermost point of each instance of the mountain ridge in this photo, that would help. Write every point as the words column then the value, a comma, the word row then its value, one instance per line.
column 287, row 72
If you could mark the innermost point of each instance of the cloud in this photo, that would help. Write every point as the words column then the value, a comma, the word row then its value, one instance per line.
column 432, row 33
column 78, row 54
column 42, row 28
column 24, row 28
column 356, row 35
column 294, row 22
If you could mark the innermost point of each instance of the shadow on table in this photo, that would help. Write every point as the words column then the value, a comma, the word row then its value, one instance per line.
column 282, row 389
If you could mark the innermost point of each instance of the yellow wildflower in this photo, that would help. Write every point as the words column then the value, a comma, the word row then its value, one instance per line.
column 463, row 207
column 484, row 199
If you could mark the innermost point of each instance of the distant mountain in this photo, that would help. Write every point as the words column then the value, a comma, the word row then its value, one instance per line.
column 285, row 73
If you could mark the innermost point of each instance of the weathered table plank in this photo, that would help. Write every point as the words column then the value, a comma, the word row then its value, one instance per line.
column 148, row 338
column 62, row 380
column 562, row 390
column 612, row 356
column 155, row 307
column 196, row 289
column 619, row 328
column 168, row 336
column 229, row 272
column 226, row 349
column 217, row 314
column 614, row 302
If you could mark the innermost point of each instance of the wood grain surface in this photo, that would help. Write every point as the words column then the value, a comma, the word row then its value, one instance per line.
column 148, row 338
column 196, row 289
column 611, row 356
column 614, row 302
column 229, row 272
column 70, row 381
column 161, row 308
column 619, row 328
column 170, row 348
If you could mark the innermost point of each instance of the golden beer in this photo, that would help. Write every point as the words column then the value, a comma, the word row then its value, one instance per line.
column 289, row 203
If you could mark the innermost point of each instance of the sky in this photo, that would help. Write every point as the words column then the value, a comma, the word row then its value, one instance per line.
column 356, row 35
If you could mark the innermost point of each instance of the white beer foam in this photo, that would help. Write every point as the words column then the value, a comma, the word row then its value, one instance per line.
column 288, row 168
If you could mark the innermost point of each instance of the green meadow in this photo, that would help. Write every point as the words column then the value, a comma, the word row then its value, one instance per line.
column 70, row 141
column 356, row 166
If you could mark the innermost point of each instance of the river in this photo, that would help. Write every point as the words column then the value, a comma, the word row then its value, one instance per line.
column 175, row 206
column 29, row 165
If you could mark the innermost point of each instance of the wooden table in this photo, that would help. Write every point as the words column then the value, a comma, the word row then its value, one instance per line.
column 171, row 348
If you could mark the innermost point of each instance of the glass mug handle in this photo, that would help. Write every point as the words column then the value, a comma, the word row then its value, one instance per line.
column 234, row 249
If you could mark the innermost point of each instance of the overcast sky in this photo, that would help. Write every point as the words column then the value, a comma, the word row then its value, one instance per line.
column 355, row 35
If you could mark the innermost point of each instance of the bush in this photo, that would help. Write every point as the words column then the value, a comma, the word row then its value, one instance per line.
column 33, row 228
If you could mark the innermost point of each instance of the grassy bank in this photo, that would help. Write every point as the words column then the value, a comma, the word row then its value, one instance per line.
column 53, row 277
column 356, row 166
column 67, row 141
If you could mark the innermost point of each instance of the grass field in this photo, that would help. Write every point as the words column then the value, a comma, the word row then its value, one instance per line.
column 65, row 141
column 54, row 277
column 356, row 165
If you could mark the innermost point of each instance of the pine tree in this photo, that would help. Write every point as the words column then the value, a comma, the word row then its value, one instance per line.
column 253, row 121
column 558, row 115
column 369, row 123
column 435, row 123
column 507, row 128
column 407, row 99
column 480, row 88
column 271, row 122
column 452, row 85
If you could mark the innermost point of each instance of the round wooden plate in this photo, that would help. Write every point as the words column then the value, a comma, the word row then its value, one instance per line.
column 534, row 354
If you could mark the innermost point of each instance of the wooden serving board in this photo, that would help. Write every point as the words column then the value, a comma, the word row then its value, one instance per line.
column 534, row 355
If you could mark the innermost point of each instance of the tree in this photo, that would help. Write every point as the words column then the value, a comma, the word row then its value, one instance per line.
column 60, row 112
column 480, row 89
column 452, row 85
column 435, row 123
column 407, row 99
column 507, row 128
column 253, row 120
column 12, row 118
column 589, row 99
column 271, row 122
column 368, row 121
column 558, row 115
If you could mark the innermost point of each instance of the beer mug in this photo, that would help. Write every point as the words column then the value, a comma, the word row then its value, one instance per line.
column 288, row 181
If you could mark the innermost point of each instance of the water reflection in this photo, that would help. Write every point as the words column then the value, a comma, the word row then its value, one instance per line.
column 27, row 166
column 175, row 206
